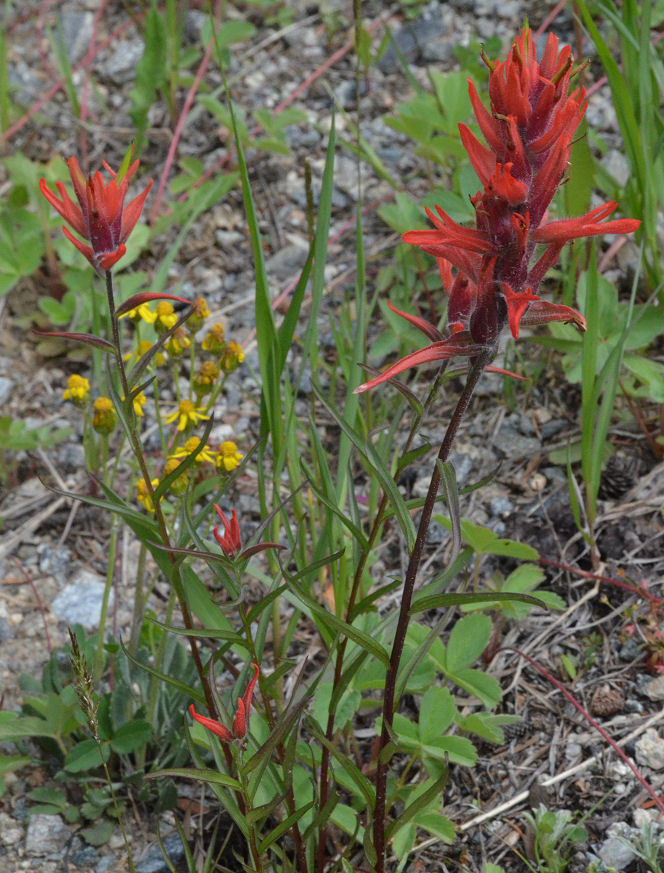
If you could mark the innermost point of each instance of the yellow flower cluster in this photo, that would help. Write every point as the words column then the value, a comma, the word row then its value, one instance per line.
column 187, row 415
column 104, row 417
column 143, row 494
column 190, row 446
column 228, row 457
column 77, row 390
column 143, row 348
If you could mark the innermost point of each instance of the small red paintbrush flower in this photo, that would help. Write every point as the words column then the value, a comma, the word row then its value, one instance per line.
column 230, row 540
column 486, row 270
column 101, row 217
column 241, row 720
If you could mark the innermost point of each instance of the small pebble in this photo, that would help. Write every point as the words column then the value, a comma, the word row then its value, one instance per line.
column 650, row 750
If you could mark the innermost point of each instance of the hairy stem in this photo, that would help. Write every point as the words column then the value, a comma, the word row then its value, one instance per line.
column 355, row 587
column 380, row 811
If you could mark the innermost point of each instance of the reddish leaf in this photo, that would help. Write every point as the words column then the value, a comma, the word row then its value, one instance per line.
column 146, row 297
column 88, row 338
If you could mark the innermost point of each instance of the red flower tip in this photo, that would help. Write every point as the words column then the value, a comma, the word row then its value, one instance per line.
column 241, row 720
column 100, row 217
column 230, row 540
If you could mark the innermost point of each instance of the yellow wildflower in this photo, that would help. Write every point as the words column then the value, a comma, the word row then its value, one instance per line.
column 228, row 457
column 143, row 494
column 141, row 312
column 198, row 316
column 77, row 390
column 178, row 485
column 139, row 403
column 190, row 446
column 187, row 414
column 177, row 343
column 205, row 377
column 232, row 357
column 214, row 341
column 104, row 418
column 143, row 348
column 165, row 317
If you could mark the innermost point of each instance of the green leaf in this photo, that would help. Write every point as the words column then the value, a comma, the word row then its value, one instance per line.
column 485, row 542
column 19, row 727
column 98, row 834
column 478, row 600
column 338, row 625
column 150, row 72
column 459, row 750
column 437, row 712
column 85, row 756
column 346, row 708
column 438, row 825
column 212, row 777
column 53, row 796
column 374, row 461
column 228, row 33
column 131, row 736
column 469, row 638
column 479, row 684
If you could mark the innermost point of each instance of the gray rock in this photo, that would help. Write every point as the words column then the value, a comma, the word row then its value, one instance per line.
column 287, row 262
column 614, row 852
column 615, row 163
column 72, row 456
column 121, row 64
column 47, row 835
column 629, row 650
column 194, row 21
column 514, row 444
column 86, row 857
column 106, row 863
column 573, row 751
column 501, row 506
column 80, row 601
column 411, row 40
column 650, row 750
column 6, row 387
column 298, row 137
column 551, row 428
column 655, row 688
column 53, row 560
column 153, row 860
column 5, row 630
column 10, row 832
column 28, row 86
column 76, row 33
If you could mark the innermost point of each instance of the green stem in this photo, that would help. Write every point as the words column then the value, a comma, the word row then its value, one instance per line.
column 137, row 448
column 110, row 575
column 212, row 399
column 140, row 598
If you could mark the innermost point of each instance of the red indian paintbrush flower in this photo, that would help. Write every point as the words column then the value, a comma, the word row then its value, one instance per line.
column 529, row 132
column 101, row 217
column 241, row 720
column 229, row 541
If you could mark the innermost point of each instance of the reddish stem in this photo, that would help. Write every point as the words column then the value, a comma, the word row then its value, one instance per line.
column 646, row 595
column 389, row 702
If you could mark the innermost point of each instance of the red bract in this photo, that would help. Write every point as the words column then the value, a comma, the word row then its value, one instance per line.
column 229, row 541
column 100, row 217
column 529, row 134
column 241, row 720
